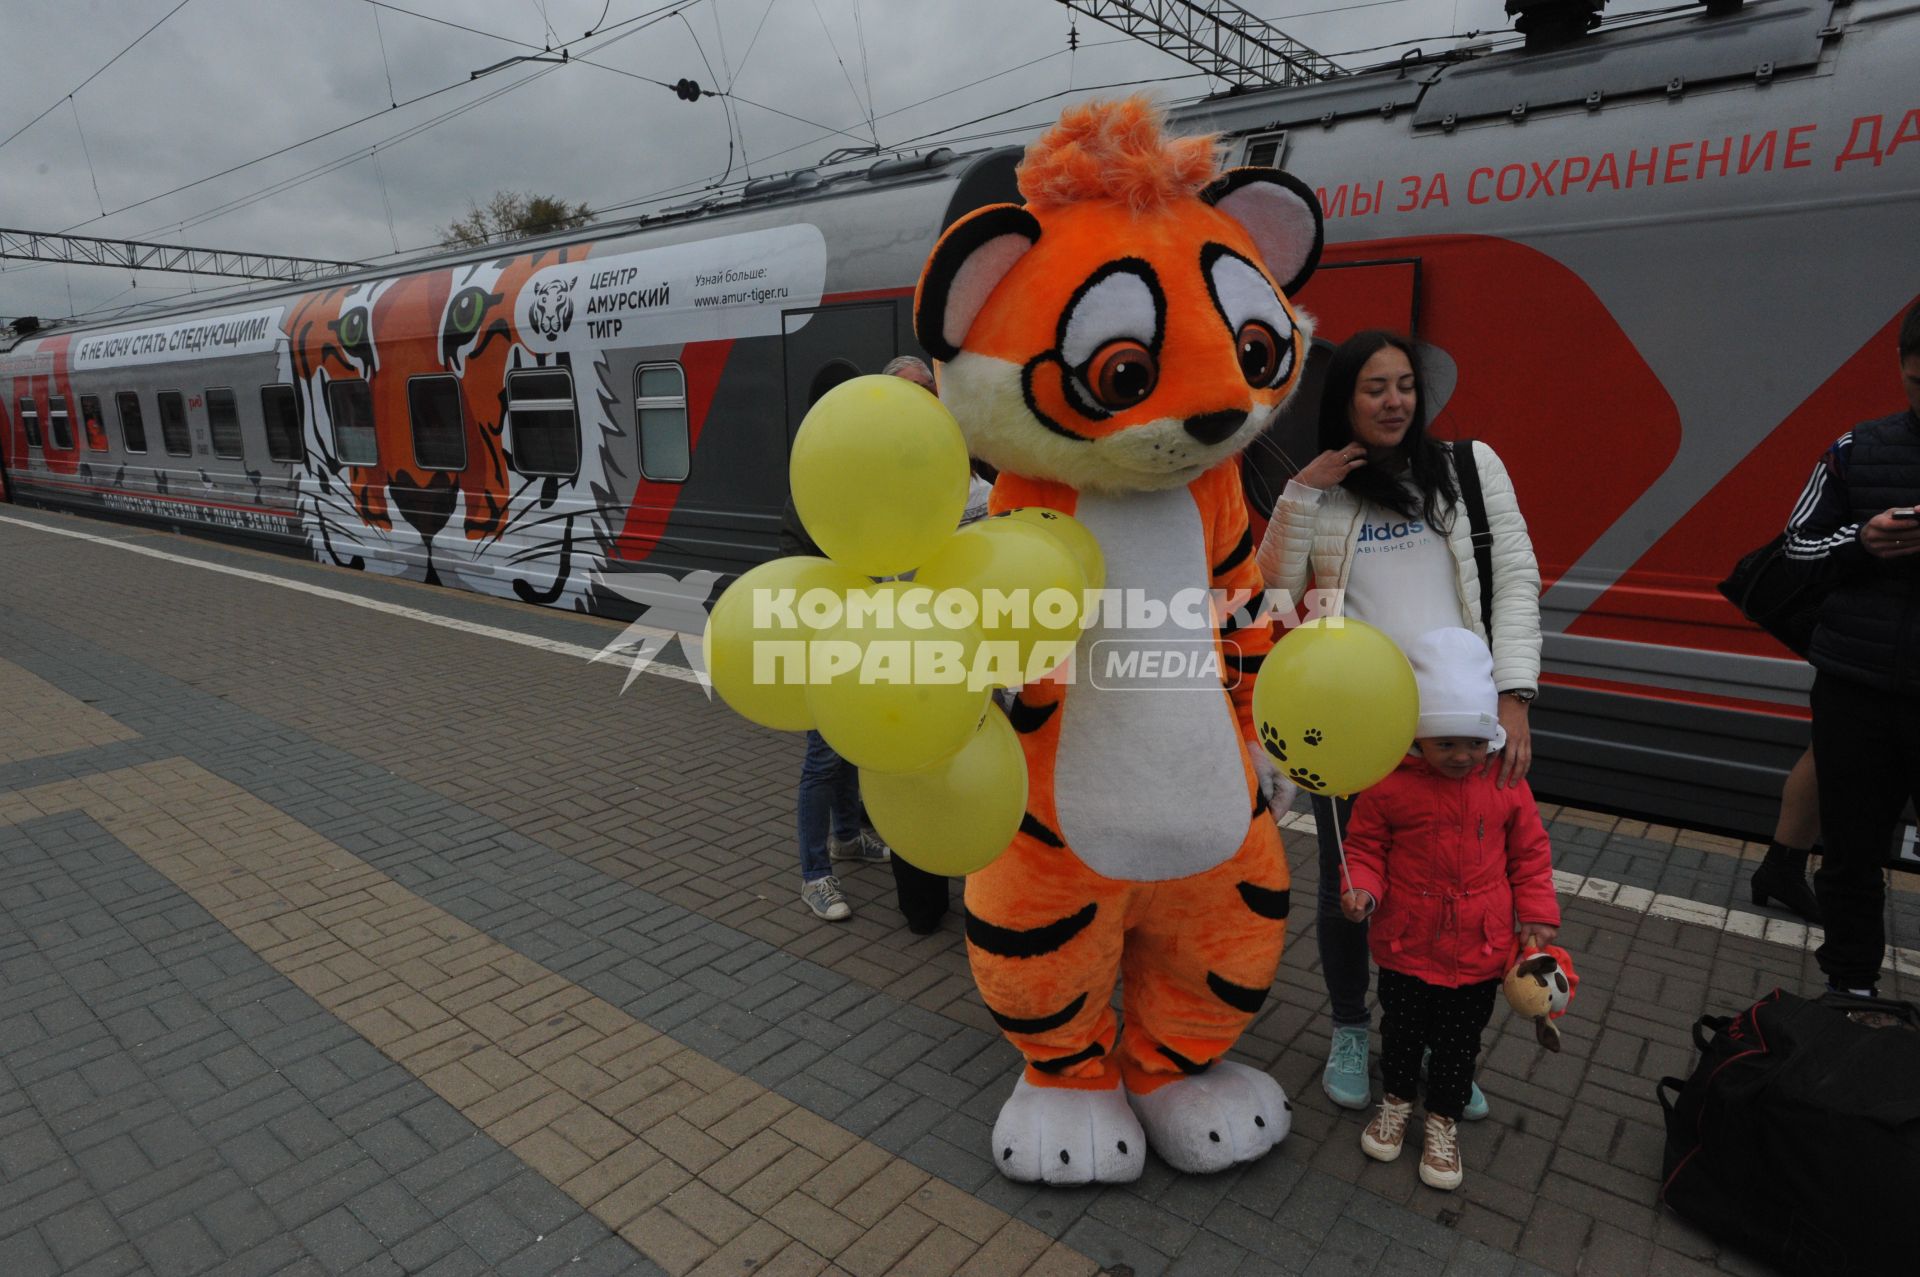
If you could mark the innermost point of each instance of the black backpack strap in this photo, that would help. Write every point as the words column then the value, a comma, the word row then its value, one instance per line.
column 1665, row 1084
column 1468, row 473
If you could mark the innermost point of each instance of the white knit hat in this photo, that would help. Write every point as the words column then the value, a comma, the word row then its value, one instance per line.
column 1454, row 671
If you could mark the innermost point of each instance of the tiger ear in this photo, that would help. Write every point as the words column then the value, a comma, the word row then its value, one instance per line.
column 967, row 264
column 1281, row 214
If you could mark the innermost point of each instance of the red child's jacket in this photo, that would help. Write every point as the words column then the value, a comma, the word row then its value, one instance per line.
column 1450, row 865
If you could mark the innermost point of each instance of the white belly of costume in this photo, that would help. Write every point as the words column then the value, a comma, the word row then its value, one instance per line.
column 1149, row 780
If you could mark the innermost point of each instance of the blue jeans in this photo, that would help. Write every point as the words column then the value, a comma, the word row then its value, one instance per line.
column 829, row 800
column 1343, row 944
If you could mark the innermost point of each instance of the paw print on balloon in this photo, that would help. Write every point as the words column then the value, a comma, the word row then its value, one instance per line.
column 1312, row 736
column 1307, row 780
column 1271, row 740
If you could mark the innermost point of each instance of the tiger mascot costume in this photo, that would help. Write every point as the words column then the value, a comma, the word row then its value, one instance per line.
column 1111, row 346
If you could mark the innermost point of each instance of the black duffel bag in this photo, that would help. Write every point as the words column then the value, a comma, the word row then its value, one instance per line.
column 1797, row 1139
column 1781, row 595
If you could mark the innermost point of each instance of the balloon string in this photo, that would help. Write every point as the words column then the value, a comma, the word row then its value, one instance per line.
column 1340, row 843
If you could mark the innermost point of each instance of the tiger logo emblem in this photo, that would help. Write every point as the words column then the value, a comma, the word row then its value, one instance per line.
column 552, row 310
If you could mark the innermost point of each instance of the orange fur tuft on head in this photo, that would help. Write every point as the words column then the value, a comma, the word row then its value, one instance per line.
column 1115, row 151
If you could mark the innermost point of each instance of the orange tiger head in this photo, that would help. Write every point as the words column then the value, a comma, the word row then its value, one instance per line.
column 1128, row 326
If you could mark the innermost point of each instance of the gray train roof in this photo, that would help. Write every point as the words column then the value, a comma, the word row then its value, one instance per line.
column 1662, row 56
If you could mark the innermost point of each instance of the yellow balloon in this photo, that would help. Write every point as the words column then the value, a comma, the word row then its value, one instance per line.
column 879, row 473
column 1073, row 534
column 1029, row 586
column 956, row 816
column 732, row 636
column 890, row 694
column 1336, row 706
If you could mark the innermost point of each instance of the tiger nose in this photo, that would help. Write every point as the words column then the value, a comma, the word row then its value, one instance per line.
column 1212, row 427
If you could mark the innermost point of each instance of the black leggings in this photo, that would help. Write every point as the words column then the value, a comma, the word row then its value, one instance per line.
column 1416, row 1016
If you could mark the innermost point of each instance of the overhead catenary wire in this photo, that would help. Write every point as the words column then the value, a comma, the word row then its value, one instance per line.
column 96, row 75
column 659, row 14
column 87, row 152
column 947, row 131
column 725, row 109
column 393, row 100
column 865, row 107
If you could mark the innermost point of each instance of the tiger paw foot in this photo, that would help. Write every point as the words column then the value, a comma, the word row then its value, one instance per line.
column 1210, row 1121
column 1054, row 1135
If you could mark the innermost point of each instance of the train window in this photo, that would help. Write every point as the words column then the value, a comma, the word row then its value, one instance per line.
column 439, row 430
column 93, row 426
column 281, row 412
column 58, row 432
column 350, row 404
column 1265, row 149
column 133, row 431
column 543, row 431
column 831, row 374
column 223, row 421
column 30, row 420
column 660, row 403
column 173, row 424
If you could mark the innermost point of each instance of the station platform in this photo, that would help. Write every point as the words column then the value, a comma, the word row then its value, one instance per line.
column 353, row 925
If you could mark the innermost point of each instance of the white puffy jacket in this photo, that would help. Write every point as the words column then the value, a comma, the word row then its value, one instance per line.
column 1318, row 529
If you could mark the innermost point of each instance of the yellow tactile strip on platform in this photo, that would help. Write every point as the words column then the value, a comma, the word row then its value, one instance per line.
column 697, row 1167
column 38, row 720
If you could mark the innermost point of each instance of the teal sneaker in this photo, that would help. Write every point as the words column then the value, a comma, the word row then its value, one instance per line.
column 1476, row 1109
column 1345, row 1078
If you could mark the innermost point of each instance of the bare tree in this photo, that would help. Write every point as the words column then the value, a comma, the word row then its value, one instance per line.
column 512, row 215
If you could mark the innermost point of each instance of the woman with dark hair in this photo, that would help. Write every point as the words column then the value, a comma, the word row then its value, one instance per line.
column 1377, row 517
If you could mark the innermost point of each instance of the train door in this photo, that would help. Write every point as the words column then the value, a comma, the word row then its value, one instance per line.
column 822, row 346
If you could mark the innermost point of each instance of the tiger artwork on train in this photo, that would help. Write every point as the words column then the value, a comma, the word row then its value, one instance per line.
column 1111, row 346
column 467, row 516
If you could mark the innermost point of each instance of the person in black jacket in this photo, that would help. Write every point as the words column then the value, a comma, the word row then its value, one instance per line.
column 1857, row 518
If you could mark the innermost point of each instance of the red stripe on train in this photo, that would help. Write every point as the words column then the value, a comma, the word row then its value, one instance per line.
column 1677, row 696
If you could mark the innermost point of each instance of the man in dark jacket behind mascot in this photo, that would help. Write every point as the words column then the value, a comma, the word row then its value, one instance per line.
column 1857, row 517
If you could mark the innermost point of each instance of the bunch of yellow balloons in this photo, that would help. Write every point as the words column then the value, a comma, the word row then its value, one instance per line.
column 897, row 675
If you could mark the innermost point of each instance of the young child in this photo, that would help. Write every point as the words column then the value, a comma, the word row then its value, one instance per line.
column 1446, row 861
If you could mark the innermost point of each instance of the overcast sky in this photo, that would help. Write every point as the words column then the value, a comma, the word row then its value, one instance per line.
column 223, row 82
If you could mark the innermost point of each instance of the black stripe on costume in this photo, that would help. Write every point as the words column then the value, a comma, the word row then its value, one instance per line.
column 1042, row 1023
column 1030, row 826
column 1066, row 1062
column 1030, row 718
column 1265, row 901
column 1181, row 1062
column 1032, row 942
column 1240, row 997
column 1260, row 804
column 1244, row 663
column 1237, row 555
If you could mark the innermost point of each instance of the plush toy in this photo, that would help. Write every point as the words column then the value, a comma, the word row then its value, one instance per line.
column 1539, row 986
column 1110, row 347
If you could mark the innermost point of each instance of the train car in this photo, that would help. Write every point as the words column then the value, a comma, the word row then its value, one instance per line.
column 529, row 421
column 1658, row 267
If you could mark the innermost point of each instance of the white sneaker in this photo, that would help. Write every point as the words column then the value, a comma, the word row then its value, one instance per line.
column 1440, row 1159
column 863, row 847
column 1387, row 1132
column 824, row 897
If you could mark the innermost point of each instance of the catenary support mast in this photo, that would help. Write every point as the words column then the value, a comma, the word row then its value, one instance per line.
column 1217, row 36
